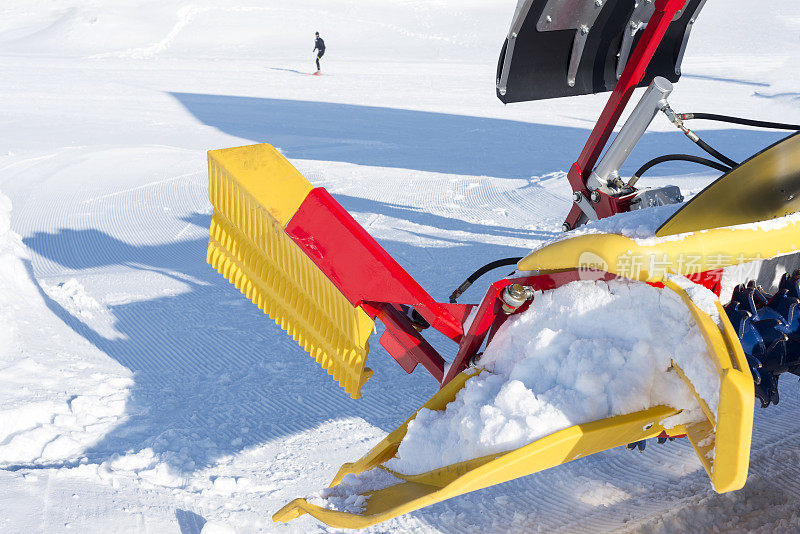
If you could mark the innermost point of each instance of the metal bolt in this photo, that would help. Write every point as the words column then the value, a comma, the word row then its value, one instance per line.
column 565, row 227
column 548, row 19
column 598, row 3
column 584, row 29
column 475, row 359
column 515, row 296
column 576, row 196
column 595, row 196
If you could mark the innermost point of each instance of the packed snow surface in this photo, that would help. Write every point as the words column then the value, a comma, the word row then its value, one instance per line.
column 53, row 406
column 583, row 352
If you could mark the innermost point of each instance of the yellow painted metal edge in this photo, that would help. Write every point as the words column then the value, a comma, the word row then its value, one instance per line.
column 735, row 415
column 728, row 432
column 423, row 490
column 684, row 254
column 388, row 446
column 727, row 470
column 710, row 416
column 702, row 436
column 761, row 188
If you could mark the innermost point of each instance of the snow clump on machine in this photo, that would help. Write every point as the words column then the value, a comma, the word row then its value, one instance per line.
column 347, row 495
column 585, row 351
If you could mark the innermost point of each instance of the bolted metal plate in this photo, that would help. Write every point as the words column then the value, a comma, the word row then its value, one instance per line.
column 659, row 196
column 578, row 15
column 569, row 15
column 639, row 18
column 580, row 49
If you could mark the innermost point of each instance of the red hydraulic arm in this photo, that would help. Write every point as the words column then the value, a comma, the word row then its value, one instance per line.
column 631, row 77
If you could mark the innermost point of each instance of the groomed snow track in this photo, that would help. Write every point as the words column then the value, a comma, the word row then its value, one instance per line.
column 207, row 364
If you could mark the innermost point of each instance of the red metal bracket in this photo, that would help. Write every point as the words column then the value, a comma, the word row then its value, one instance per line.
column 357, row 265
column 489, row 311
column 402, row 341
column 490, row 315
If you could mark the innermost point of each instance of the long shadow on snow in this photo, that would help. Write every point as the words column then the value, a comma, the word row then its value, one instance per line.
column 417, row 216
column 435, row 142
column 208, row 364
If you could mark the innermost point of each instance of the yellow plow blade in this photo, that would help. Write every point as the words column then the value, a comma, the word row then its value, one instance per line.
column 255, row 192
column 727, row 434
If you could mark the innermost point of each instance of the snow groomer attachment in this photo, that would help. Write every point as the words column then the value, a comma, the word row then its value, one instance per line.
column 294, row 251
column 300, row 257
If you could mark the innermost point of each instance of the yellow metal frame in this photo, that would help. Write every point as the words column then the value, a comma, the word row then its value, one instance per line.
column 728, row 432
column 255, row 192
column 730, row 443
column 624, row 256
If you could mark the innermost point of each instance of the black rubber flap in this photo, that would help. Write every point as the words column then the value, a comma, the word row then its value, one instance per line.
column 540, row 60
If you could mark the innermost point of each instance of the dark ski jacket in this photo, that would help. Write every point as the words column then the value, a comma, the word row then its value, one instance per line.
column 319, row 44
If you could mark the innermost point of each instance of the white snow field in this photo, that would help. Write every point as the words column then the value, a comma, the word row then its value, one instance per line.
column 141, row 392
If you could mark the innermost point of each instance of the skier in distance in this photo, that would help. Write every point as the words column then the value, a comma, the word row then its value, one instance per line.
column 319, row 47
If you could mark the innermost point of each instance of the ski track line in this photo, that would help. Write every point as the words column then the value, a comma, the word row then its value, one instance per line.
column 765, row 442
column 143, row 186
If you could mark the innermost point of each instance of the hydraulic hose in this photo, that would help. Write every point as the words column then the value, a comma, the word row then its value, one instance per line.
column 676, row 119
column 711, row 150
column 480, row 272
column 739, row 120
column 676, row 157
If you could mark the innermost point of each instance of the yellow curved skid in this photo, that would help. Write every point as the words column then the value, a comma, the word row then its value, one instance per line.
column 650, row 260
column 441, row 484
column 255, row 191
column 727, row 434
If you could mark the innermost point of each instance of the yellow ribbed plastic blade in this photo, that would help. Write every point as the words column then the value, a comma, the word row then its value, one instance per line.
column 727, row 433
column 255, row 191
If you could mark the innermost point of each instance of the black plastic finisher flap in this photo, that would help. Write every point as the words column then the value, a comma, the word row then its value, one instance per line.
column 555, row 43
